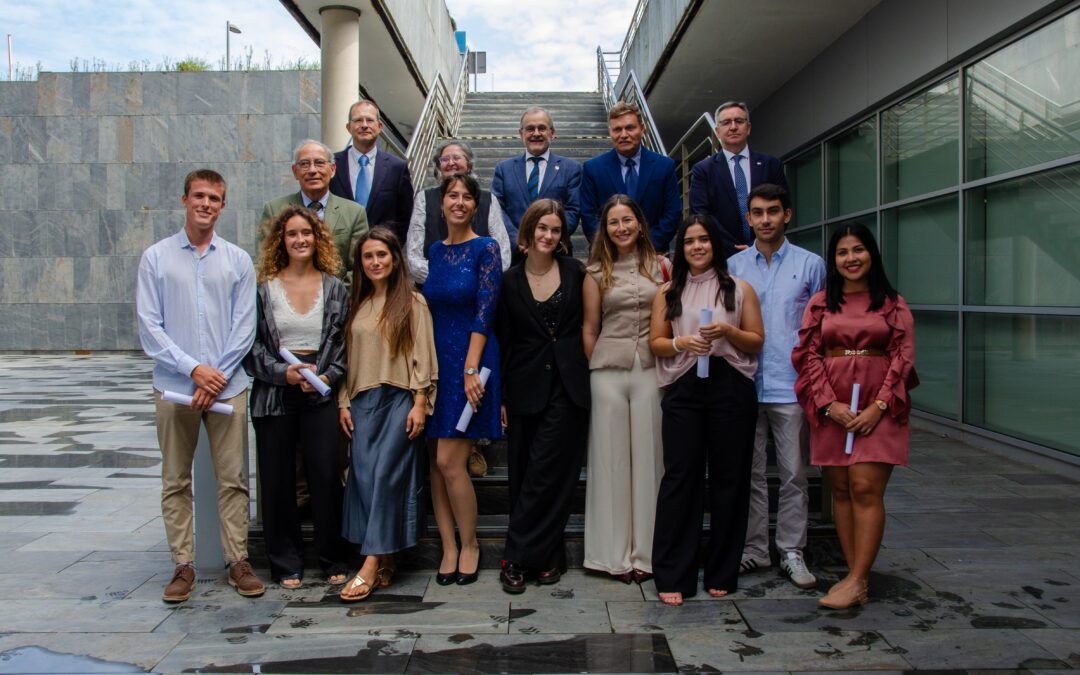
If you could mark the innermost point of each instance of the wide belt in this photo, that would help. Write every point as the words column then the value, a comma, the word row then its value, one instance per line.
column 830, row 353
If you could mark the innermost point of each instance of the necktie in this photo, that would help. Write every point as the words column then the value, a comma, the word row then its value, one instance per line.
column 363, row 182
column 630, row 178
column 741, row 191
column 534, row 179
column 317, row 207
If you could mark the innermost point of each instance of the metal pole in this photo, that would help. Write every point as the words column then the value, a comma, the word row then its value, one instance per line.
column 227, row 36
column 10, row 72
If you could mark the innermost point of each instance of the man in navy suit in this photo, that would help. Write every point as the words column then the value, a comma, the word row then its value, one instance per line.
column 647, row 176
column 538, row 172
column 715, row 188
column 385, row 187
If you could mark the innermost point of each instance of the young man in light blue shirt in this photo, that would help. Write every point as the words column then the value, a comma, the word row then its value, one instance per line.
column 195, row 301
column 784, row 277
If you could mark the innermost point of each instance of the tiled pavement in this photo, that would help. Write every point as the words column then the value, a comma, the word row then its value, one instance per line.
column 978, row 571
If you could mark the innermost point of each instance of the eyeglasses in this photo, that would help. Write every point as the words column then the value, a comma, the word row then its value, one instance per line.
column 737, row 121
column 306, row 164
column 446, row 159
column 532, row 129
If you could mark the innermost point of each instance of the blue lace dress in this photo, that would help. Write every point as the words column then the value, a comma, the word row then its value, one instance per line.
column 462, row 291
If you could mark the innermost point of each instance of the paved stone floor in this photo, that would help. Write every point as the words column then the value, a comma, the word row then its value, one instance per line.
column 978, row 572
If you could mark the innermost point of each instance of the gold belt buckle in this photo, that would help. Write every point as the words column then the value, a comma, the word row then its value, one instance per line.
column 855, row 352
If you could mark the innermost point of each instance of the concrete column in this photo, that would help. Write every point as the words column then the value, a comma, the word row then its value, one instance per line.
column 340, row 70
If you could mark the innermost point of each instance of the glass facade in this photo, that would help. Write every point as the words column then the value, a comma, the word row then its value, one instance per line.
column 972, row 185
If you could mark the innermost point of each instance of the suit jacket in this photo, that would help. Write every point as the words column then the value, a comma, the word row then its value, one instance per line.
column 562, row 181
column 391, row 197
column 532, row 360
column 657, row 193
column 345, row 219
column 712, row 191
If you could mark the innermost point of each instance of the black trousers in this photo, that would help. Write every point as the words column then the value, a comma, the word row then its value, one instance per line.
column 705, row 421
column 314, row 430
column 546, row 451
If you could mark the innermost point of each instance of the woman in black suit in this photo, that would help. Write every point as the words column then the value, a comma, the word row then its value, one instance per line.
column 545, row 380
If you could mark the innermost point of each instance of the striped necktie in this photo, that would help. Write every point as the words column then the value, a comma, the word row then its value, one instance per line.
column 534, row 179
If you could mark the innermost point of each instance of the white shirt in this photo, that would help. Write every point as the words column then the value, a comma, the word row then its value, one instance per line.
column 544, row 158
column 354, row 165
column 744, row 164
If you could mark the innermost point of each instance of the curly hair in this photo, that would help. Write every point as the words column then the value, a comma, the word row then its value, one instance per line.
column 604, row 253
column 273, row 257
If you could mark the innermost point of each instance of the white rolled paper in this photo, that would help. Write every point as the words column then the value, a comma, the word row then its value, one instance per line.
column 467, row 413
column 703, row 361
column 854, row 411
column 309, row 375
column 184, row 399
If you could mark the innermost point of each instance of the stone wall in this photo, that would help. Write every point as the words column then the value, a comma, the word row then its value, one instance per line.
column 91, row 173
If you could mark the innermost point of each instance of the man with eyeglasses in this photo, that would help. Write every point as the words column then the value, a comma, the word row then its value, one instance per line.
column 720, row 185
column 538, row 172
column 313, row 167
column 377, row 180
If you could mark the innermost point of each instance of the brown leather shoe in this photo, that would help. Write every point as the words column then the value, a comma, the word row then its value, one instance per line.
column 243, row 578
column 179, row 589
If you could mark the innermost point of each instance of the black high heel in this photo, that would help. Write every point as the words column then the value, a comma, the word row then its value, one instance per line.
column 446, row 579
column 466, row 579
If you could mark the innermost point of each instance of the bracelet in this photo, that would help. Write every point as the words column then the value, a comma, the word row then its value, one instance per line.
column 675, row 345
column 827, row 408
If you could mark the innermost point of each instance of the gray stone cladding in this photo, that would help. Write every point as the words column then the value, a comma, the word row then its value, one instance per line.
column 91, row 173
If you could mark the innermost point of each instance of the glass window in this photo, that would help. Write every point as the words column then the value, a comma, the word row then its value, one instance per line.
column 1023, row 241
column 1021, row 102
column 804, row 178
column 808, row 239
column 920, row 245
column 920, row 140
column 869, row 220
column 1022, row 375
column 852, row 175
column 937, row 355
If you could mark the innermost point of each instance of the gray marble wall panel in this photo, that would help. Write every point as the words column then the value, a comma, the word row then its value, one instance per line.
column 91, row 173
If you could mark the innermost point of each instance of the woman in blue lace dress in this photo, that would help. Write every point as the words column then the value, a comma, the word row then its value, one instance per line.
column 462, row 291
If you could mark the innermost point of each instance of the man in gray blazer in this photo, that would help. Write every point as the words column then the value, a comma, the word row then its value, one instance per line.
column 313, row 167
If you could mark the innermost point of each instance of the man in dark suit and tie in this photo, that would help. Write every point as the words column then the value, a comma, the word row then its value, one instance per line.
column 720, row 184
column 538, row 172
column 313, row 167
column 378, row 181
column 631, row 169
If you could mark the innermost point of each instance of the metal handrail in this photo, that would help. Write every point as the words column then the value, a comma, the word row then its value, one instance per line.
column 631, row 93
column 631, row 31
column 699, row 141
column 440, row 116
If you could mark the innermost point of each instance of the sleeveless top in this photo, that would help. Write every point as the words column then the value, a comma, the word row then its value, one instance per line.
column 297, row 332
column 625, row 310
column 699, row 293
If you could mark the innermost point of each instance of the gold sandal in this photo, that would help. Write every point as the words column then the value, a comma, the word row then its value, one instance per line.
column 357, row 583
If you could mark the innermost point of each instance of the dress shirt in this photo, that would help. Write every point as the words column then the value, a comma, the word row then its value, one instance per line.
column 744, row 164
column 544, row 158
column 637, row 163
column 196, row 309
column 354, row 165
column 414, row 240
column 320, row 201
column 783, row 288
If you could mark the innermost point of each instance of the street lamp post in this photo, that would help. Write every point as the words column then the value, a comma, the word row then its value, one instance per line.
column 229, row 28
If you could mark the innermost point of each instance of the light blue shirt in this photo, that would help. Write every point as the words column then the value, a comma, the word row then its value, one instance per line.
column 637, row 162
column 783, row 287
column 196, row 309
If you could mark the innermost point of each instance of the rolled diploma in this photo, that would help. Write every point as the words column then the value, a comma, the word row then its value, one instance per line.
column 308, row 374
column 184, row 399
column 854, row 411
column 703, row 361
column 466, row 414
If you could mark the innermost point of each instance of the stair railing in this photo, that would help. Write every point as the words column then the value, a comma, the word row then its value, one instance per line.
column 699, row 142
column 632, row 93
column 440, row 117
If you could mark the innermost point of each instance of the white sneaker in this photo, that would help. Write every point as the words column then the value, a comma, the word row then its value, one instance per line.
column 795, row 568
column 751, row 564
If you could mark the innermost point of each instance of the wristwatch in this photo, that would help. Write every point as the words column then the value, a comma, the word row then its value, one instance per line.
column 472, row 371
column 882, row 405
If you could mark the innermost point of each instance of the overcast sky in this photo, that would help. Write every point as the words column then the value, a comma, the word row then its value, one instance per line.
column 558, row 51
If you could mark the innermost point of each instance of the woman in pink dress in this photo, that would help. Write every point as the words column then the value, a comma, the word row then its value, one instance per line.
column 857, row 331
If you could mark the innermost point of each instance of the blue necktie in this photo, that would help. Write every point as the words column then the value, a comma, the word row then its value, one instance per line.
column 741, row 191
column 363, row 185
column 630, row 178
column 534, row 179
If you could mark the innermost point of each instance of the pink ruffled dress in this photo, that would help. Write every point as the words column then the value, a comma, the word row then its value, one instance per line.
column 823, row 379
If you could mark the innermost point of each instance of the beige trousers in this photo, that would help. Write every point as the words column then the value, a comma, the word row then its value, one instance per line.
column 178, row 433
column 626, row 463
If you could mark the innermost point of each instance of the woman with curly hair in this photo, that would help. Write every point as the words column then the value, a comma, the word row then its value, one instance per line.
column 388, row 393
column 625, row 463
column 301, row 306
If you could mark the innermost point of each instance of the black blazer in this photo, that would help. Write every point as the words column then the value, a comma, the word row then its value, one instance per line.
column 391, row 197
column 531, row 358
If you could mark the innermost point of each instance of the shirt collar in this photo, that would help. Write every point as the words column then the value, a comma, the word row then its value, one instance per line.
column 546, row 155
column 185, row 242
column 354, row 154
column 745, row 154
column 779, row 254
column 308, row 202
column 636, row 158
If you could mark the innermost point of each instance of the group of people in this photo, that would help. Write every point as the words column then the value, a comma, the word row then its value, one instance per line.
column 462, row 315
